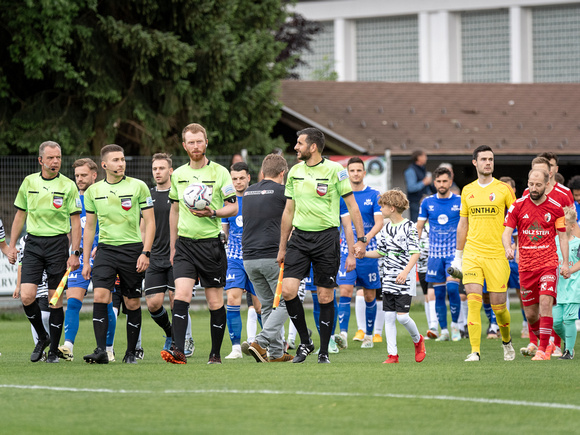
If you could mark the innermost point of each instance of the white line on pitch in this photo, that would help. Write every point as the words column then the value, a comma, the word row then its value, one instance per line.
column 302, row 393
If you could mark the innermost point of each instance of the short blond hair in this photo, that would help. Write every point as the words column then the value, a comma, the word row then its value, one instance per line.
column 194, row 128
column 395, row 198
column 570, row 214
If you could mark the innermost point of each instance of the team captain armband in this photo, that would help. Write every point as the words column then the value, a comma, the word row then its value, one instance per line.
column 561, row 224
column 228, row 190
column 342, row 175
column 231, row 199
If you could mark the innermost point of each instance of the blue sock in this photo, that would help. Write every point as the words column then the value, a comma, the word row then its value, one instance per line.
column 454, row 300
column 316, row 311
column 441, row 305
column 71, row 319
column 344, row 312
column 335, row 313
column 112, row 325
column 489, row 313
column 371, row 313
column 524, row 314
column 259, row 316
column 234, row 320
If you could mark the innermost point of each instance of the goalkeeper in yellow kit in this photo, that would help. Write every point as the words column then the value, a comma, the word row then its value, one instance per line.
column 480, row 254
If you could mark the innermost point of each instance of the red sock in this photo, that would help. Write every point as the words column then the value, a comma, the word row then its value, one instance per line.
column 546, row 324
column 557, row 339
column 534, row 330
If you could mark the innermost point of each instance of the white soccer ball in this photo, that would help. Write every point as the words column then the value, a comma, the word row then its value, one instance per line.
column 197, row 196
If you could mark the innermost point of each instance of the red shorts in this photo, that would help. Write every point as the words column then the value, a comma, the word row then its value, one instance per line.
column 538, row 282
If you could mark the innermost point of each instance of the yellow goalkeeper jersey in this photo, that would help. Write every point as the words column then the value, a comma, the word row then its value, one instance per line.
column 485, row 207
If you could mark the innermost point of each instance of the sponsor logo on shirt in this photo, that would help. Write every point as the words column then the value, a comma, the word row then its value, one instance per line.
column 526, row 216
column 368, row 201
column 535, row 232
column 322, row 189
column 455, row 207
column 431, row 208
column 483, row 210
column 442, row 219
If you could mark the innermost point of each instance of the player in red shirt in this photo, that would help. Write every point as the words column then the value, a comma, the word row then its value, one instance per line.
column 554, row 190
column 537, row 218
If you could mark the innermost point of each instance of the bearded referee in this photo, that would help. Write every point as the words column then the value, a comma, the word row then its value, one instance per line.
column 313, row 193
column 196, row 249
column 49, row 203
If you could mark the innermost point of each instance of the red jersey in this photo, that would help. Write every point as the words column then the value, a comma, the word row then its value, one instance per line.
column 559, row 193
column 537, row 225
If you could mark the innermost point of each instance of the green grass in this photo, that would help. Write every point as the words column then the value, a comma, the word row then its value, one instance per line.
column 354, row 394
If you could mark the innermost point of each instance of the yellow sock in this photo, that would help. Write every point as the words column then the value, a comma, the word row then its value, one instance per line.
column 503, row 318
column 474, row 304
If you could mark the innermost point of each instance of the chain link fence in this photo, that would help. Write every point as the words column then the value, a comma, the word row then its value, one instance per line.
column 13, row 169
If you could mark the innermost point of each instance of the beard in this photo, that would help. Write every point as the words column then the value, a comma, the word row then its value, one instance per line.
column 536, row 195
column 305, row 155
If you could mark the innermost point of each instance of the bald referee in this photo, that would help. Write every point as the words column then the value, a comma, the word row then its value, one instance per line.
column 49, row 203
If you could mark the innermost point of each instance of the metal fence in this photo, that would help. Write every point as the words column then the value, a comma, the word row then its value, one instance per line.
column 13, row 169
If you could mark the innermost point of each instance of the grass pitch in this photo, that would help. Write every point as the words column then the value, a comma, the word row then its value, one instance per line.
column 354, row 394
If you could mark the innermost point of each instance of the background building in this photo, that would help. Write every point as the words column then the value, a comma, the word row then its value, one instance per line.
column 446, row 41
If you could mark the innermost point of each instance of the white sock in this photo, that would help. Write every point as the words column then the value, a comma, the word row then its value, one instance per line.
column 454, row 325
column 292, row 332
column 116, row 311
column 188, row 330
column 138, row 345
column 69, row 344
column 360, row 311
column 433, row 321
column 410, row 325
column 391, row 332
column 252, row 324
column 34, row 335
column 427, row 312
column 463, row 315
column 380, row 318
column 110, row 349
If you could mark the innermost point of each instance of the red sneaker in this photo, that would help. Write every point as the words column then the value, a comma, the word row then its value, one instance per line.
column 392, row 359
column 420, row 350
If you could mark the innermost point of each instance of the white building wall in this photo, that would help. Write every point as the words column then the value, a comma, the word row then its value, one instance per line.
column 439, row 35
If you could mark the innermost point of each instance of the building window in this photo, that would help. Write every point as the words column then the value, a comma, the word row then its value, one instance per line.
column 556, row 43
column 387, row 49
column 319, row 61
column 485, row 46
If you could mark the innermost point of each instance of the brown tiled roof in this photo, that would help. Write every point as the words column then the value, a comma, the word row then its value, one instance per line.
column 443, row 118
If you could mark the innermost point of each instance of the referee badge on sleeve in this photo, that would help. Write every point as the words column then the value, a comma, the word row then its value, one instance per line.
column 322, row 189
column 57, row 201
column 126, row 203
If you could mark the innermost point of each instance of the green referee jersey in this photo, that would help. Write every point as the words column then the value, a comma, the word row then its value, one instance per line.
column 212, row 175
column 49, row 204
column 118, row 208
column 316, row 191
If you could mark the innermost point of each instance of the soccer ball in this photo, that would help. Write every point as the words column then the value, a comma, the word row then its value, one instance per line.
column 197, row 196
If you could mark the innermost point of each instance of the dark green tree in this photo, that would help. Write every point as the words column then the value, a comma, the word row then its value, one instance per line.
column 134, row 72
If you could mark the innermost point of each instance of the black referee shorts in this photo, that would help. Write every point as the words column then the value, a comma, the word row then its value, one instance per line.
column 159, row 278
column 203, row 259
column 45, row 253
column 111, row 261
column 319, row 248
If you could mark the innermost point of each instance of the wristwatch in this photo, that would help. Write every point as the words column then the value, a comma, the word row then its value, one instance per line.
column 78, row 253
column 362, row 239
column 146, row 253
column 213, row 214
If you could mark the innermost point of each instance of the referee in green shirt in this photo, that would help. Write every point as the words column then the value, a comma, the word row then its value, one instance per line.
column 117, row 202
column 313, row 192
column 50, row 205
column 196, row 249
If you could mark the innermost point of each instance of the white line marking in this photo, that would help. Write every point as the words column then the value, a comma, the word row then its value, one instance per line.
column 300, row 393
